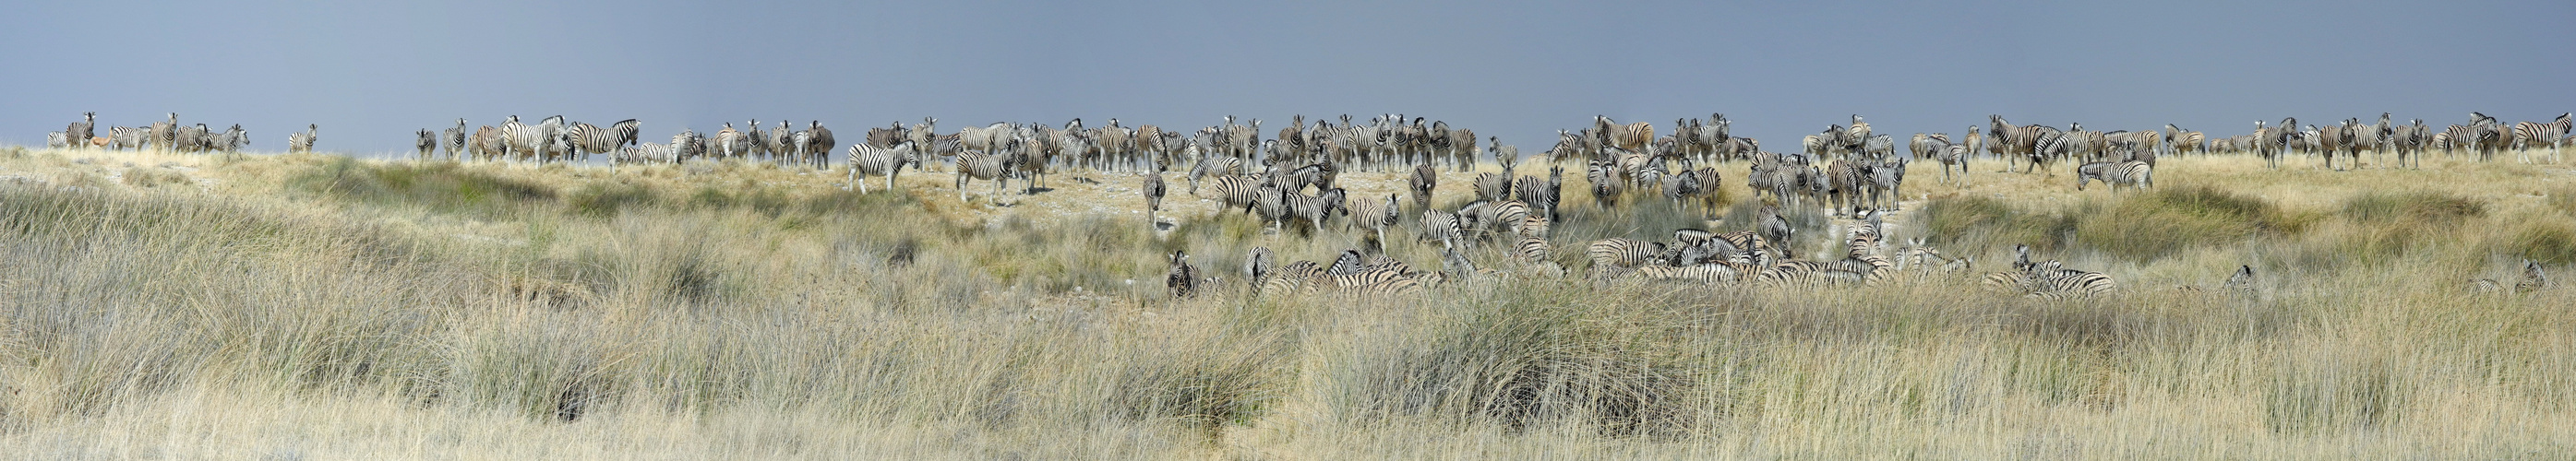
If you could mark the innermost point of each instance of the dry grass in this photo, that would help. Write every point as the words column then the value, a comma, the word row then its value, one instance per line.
column 308, row 306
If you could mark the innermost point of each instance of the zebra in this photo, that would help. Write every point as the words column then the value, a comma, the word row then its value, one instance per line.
column 486, row 143
column 1424, row 179
column 122, row 137
column 1183, row 278
column 1238, row 191
column 1314, row 210
column 592, row 139
column 1373, row 215
column 2239, row 284
column 997, row 166
column 79, row 133
column 1491, row 187
column 1153, row 190
column 1954, row 155
column 303, row 142
column 869, row 160
column 1443, row 227
column 231, row 140
column 782, row 144
column 816, row 143
column 163, row 133
column 1613, row 256
column 1887, row 178
column 1774, row 230
column 427, row 145
column 2134, row 173
column 525, row 142
column 1541, row 195
column 1209, row 165
column 1604, row 175
column 454, row 139
column 2049, row 280
column 2527, row 134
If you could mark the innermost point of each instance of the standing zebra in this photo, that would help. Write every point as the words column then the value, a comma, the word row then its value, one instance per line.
column 1541, row 195
column 1424, row 179
column 78, row 133
column 997, row 166
column 427, row 145
column 1775, row 230
column 122, row 137
column 2528, row 134
column 303, row 142
column 591, row 139
column 869, row 160
column 1153, row 190
column 1373, row 215
column 1442, row 226
column 816, row 142
column 2136, row 174
column 455, row 140
column 163, row 133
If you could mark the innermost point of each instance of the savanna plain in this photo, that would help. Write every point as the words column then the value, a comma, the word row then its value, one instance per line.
column 315, row 306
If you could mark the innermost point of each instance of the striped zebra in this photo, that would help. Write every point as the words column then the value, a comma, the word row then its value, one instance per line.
column 78, row 133
column 2528, row 134
column 1775, row 230
column 57, row 140
column 1491, row 186
column 427, row 145
column 1607, row 182
column 995, row 166
column 1631, row 136
column 122, row 137
column 1618, row 252
column 1443, row 227
column 2178, row 141
column 454, row 139
column 2016, row 141
column 1845, row 179
column 303, row 142
column 163, row 133
column 1218, row 166
column 726, row 143
column 1153, row 190
column 781, row 143
column 486, row 143
column 1184, row 278
column 2409, row 140
column 2134, row 173
column 591, row 139
column 1238, row 191
column 1424, row 179
column 1541, row 194
column 869, row 160
column 230, row 141
column 1373, row 215
column 525, row 142
column 1315, row 210
column 815, row 143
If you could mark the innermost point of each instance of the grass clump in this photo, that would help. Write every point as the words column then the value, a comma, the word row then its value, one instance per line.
column 2158, row 224
column 439, row 187
column 1982, row 224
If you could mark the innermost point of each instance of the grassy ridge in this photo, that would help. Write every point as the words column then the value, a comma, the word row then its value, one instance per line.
column 318, row 306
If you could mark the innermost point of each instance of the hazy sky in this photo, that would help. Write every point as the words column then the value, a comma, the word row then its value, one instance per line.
column 372, row 72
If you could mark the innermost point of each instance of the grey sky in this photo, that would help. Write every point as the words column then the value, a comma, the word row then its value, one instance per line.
column 372, row 72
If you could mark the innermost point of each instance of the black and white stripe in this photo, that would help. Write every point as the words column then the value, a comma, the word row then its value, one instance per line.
column 868, row 160
column 2133, row 173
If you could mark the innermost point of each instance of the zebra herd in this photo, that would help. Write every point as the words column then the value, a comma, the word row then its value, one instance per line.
column 2482, row 135
column 162, row 136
